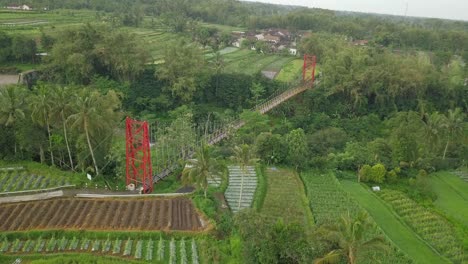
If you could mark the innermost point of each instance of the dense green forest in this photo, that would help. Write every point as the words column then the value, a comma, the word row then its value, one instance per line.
column 392, row 112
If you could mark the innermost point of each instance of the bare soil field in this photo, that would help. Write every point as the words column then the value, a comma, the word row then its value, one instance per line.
column 99, row 214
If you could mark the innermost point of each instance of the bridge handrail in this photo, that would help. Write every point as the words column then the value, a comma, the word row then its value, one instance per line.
column 219, row 134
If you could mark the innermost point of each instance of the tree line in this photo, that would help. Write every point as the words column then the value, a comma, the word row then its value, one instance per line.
column 65, row 126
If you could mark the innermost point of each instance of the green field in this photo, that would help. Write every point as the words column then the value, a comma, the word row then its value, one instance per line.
column 291, row 71
column 430, row 226
column 329, row 201
column 250, row 62
column 452, row 195
column 285, row 197
column 32, row 22
column 393, row 227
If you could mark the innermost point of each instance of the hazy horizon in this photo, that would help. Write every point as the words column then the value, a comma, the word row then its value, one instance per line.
column 451, row 9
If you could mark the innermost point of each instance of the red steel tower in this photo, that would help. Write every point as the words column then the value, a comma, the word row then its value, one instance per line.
column 309, row 61
column 139, row 169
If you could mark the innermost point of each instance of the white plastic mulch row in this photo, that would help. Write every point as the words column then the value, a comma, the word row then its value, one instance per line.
column 241, row 187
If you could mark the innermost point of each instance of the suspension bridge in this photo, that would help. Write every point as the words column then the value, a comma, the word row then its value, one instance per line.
column 139, row 168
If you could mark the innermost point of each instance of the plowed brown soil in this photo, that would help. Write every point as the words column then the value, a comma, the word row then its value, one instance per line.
column 92, row 214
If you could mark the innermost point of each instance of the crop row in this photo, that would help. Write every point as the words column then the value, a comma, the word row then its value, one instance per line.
column 329, row 201
column 20, row 181
column 430, row 226
column 241, row 188
column 173, row 251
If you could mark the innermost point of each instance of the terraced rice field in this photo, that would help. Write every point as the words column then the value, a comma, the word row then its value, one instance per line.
column 241, row 188
column 102, row 214
column 434, row 229
column 164, row 251
column 285, row 197
column 20, row 180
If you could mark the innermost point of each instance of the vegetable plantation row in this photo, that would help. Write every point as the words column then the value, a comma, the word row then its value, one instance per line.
column 329, row 201
column 14, row 181
column 437, row 231
column 174, row 251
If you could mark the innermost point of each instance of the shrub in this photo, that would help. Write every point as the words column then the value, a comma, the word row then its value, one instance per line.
column 378, row 173
column 392, row 176
column 365, row 173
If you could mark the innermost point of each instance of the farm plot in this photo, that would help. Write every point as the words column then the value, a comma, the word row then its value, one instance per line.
column 329, row 201
column 21, row 180
column 291, row 71
column 91, row 214
column 251, row 62
column 163, row 251
column 452, row 196
column 285, row 197
column 434, row 229
column 399, row 233
column 241, row 188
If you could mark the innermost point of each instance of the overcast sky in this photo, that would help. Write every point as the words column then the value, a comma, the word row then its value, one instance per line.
column 451, row 9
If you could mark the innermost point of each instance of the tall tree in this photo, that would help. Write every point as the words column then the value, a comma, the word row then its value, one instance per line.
column 61, row 109
column 297, row 147
column 454, row 125
column 182, row 65
column 351, row 237
column 93, row 114
column 41, row 107
column 12, row 106
column 198, row 170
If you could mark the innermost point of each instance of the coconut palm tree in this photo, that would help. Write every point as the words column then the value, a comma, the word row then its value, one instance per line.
column 61, row 109
column 197, row 171
column 12, row 106
column 350, row 234
column 244, row 156
column 41, row 105
column 92, row 115
column 454, row 126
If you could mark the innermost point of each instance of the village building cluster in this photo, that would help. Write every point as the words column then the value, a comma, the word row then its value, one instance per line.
column 275, row 40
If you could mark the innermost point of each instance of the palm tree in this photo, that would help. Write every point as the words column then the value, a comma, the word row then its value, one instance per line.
column 197, row 171
column 41, row 105
column 243, row 155
column 12, row 106
column 350, row 235
column 218, row 67
column 61, row 108
column 454, row 125
column 94, row 114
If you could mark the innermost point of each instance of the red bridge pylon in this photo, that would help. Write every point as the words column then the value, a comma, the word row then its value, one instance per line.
column 309, row 61
column 139, row 169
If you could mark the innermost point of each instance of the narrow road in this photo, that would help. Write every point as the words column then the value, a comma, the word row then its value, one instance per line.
column 401, row 235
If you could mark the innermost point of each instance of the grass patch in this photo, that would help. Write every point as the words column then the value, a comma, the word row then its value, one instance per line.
column 398, row 232
column 285, row 197
column 261, row 190
column 291, row 71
